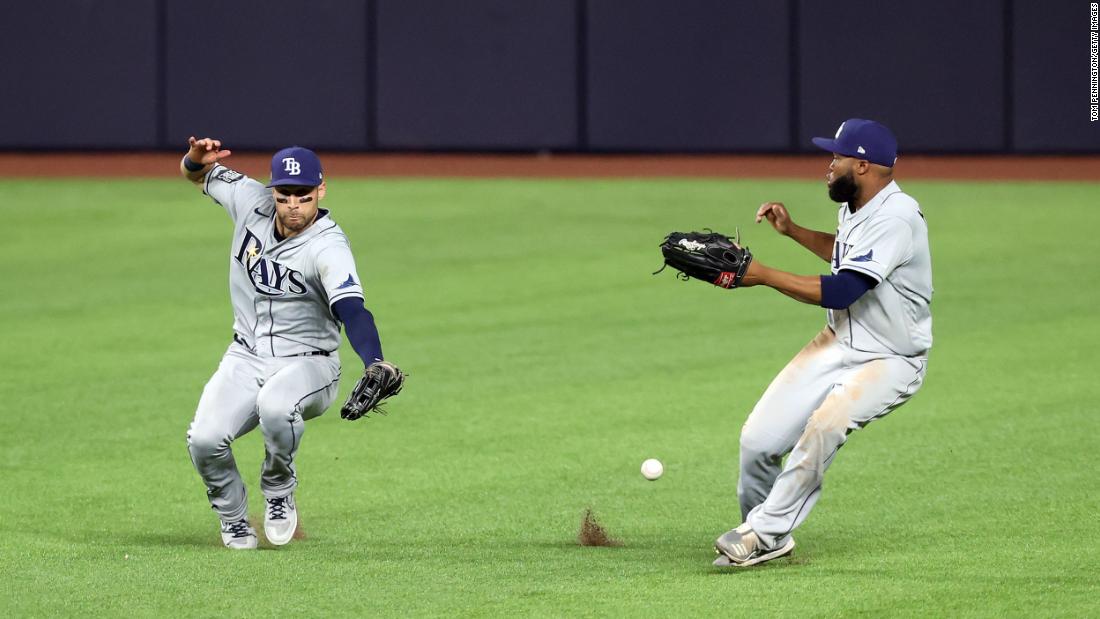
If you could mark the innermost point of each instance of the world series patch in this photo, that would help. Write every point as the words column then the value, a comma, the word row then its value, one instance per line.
column 229, row 176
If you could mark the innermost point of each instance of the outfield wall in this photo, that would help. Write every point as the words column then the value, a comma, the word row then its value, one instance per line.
column 983, row 76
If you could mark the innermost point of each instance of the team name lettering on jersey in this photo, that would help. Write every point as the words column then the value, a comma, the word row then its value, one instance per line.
column 269, row 278
column 840, row 250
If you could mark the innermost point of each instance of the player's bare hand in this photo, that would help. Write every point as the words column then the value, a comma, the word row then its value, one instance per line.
column 206, row 151
column 777, row 216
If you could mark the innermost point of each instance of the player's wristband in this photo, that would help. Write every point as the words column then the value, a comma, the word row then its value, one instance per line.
column 191, row 166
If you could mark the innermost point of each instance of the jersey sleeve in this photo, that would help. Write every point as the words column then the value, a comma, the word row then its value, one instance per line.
column 234, row 191
column 886, row 243
column 336, row 268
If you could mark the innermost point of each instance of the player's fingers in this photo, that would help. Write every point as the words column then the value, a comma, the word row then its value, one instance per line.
column 191, row 141
column 222, row 154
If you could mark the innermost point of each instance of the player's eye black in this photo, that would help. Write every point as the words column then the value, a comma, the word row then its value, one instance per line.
column 292, row 190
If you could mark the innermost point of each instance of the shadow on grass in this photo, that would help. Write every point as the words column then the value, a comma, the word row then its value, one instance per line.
column 193, row 539
column 778, row 565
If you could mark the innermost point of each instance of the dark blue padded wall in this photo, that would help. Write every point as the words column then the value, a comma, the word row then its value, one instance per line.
column 262, row 73
column 933, row 71
column 567, row 75
column 477, row 74
column 1050, row 109
column 79, row 74
column 688, row 75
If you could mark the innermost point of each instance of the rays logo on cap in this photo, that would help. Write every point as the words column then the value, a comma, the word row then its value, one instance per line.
column 295, row 166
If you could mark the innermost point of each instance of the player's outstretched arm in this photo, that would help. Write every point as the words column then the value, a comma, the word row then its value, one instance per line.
column 361, row 330
column 805, row 288
column 381, row 379
column 820, row 243
column 201, row 154
column 832, row 291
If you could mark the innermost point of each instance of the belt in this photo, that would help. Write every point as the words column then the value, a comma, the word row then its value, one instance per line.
column 313, row 353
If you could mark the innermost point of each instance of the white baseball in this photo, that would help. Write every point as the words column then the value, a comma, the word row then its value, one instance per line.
column 652, row 469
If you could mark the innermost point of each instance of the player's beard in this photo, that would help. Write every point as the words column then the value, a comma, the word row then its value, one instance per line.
column 290, row 225
column 844, row 188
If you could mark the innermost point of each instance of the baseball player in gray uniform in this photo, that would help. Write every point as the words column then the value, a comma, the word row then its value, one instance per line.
column 292, row 283
column 869, row 359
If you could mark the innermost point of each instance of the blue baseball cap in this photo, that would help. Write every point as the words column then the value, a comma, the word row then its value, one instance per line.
column 295, row 166
column 863, row 139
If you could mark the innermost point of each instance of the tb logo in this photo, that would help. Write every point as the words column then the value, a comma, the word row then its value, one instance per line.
column 291, row 165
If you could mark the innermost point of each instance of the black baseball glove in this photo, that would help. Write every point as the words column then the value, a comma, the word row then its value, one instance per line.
column 380, row 381
column 712, row 257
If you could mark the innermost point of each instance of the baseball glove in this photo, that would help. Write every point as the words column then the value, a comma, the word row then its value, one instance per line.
column 712, row 257
column 380, row 381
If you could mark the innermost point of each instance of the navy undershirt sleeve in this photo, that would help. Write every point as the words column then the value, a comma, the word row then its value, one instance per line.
column 845, row 288
column 359, row 323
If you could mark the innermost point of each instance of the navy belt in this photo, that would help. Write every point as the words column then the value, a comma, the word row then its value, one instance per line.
column 313, row 353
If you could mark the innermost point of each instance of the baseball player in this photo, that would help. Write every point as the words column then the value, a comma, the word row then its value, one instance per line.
column 869, row 359
column 292, row 283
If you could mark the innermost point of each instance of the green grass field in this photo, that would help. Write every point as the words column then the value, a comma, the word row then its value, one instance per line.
column 546, row 364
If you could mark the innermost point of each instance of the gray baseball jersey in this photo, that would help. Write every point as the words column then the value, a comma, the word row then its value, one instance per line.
column 870, row 360
column 887, row 239
column 282, row 291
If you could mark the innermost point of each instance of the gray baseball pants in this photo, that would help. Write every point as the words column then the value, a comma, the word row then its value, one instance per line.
column 277, row 393
column 824, row 393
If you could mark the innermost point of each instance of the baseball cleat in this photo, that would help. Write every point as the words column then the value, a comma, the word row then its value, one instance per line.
column 741, row 548
column 280, row 520
column 723, row 561
column 238, row 535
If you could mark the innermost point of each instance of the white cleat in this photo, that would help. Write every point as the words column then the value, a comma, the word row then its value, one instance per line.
column 741, row 548
column 238, row 535
column 280, row 520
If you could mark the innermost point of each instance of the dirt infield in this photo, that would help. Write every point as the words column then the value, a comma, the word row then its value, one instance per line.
column 1082, row 168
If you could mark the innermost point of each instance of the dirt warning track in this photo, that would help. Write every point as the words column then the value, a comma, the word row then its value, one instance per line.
column 957, row 167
